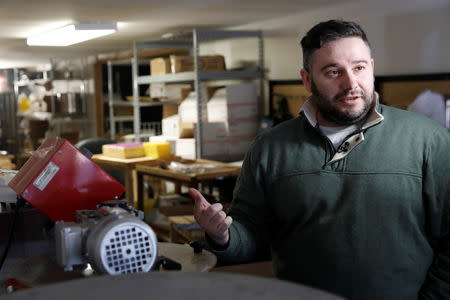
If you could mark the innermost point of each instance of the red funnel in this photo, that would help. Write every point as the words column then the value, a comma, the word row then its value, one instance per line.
column 58, row 180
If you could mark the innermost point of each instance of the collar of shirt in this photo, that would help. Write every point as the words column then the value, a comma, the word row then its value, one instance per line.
column 309, row 108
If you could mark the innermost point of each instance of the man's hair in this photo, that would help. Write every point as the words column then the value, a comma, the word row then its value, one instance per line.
column 328, row 31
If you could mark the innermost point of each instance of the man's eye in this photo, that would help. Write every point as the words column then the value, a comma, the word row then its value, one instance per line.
column 360, row 68
column 333, row 72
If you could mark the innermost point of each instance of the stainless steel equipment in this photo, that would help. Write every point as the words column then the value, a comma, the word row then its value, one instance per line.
column 69, row 103
column 112, row 239
column 9, row 140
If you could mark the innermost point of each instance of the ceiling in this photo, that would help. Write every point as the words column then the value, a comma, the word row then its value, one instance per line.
column 149, row 19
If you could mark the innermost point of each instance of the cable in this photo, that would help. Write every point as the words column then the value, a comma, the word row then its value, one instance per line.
column 19, row 204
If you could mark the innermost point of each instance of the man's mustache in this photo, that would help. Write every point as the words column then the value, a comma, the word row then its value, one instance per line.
column 349, row 93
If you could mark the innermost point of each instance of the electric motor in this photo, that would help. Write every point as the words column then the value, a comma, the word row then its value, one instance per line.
column 112, row 239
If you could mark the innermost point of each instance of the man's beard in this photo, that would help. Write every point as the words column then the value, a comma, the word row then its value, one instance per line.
column 331, row 113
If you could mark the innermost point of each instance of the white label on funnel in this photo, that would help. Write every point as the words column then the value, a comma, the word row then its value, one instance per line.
column 46, row 175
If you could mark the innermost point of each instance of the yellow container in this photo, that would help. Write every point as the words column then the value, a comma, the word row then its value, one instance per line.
column 24, row 103
column 157, row 149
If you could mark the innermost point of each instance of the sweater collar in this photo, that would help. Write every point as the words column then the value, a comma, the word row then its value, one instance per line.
column 310, row 111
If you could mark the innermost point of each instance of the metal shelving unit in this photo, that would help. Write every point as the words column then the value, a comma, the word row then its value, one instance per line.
column 192, row 42
column 116, row 103
column 66, row 101
column 111, row 102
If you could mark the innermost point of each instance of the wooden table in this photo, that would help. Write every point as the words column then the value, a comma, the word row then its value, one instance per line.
column 181, row 235
column 191, row 179
column 128, row 166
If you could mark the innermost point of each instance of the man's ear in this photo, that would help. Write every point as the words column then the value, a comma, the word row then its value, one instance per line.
column 306, row 79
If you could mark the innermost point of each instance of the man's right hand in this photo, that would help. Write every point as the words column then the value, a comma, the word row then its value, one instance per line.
column 211, row 218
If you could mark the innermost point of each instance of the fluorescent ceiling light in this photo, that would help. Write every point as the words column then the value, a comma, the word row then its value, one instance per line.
column 72, row 34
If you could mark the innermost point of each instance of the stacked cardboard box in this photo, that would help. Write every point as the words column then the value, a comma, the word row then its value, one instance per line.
column 169, row 110
column 229, row 123
column 171, row 126
column 236, row 107
column 185, row 63
column 206, row 63
column 159, row 66
column 214, row 135
column 169, row 92
column 180, row 124
column 214, row 143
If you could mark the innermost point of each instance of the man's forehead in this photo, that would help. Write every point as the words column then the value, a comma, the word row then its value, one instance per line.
column 348, row 50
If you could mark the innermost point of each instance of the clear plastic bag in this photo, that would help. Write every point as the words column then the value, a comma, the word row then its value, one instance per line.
column 192, row 168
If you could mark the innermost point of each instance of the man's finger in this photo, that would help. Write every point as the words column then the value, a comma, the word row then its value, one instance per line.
column 217, row 219
column 200, row 201
column 225, row 224
column 205, row 216
column 212, row 210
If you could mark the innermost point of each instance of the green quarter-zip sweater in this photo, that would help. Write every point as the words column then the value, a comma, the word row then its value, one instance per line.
column 368, row 221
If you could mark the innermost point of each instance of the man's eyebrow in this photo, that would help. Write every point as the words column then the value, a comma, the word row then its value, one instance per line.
column 361, row 61
column 330, row 65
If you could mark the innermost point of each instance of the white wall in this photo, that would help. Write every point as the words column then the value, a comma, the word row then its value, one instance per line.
column 406, row 43
column 402, row 43
column 418, row 43
column 283, row 58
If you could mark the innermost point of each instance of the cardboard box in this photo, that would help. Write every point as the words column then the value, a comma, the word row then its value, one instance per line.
column 172, row 126
column 123, row 110
column 177, row 92
column 212, row 149
column 244, row 129
column 186, row 130
column 215, row 150
column 169, row 110
column 188, row 108
column 237, row 102
column 207, row 63
column 221, row 111
column 214, row 131
column 185, row 148
column 214, row 143
column 160, row 66
column 156, row 90
column 169, row 92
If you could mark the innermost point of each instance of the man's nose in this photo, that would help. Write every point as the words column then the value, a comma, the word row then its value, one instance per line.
column 349, row 81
